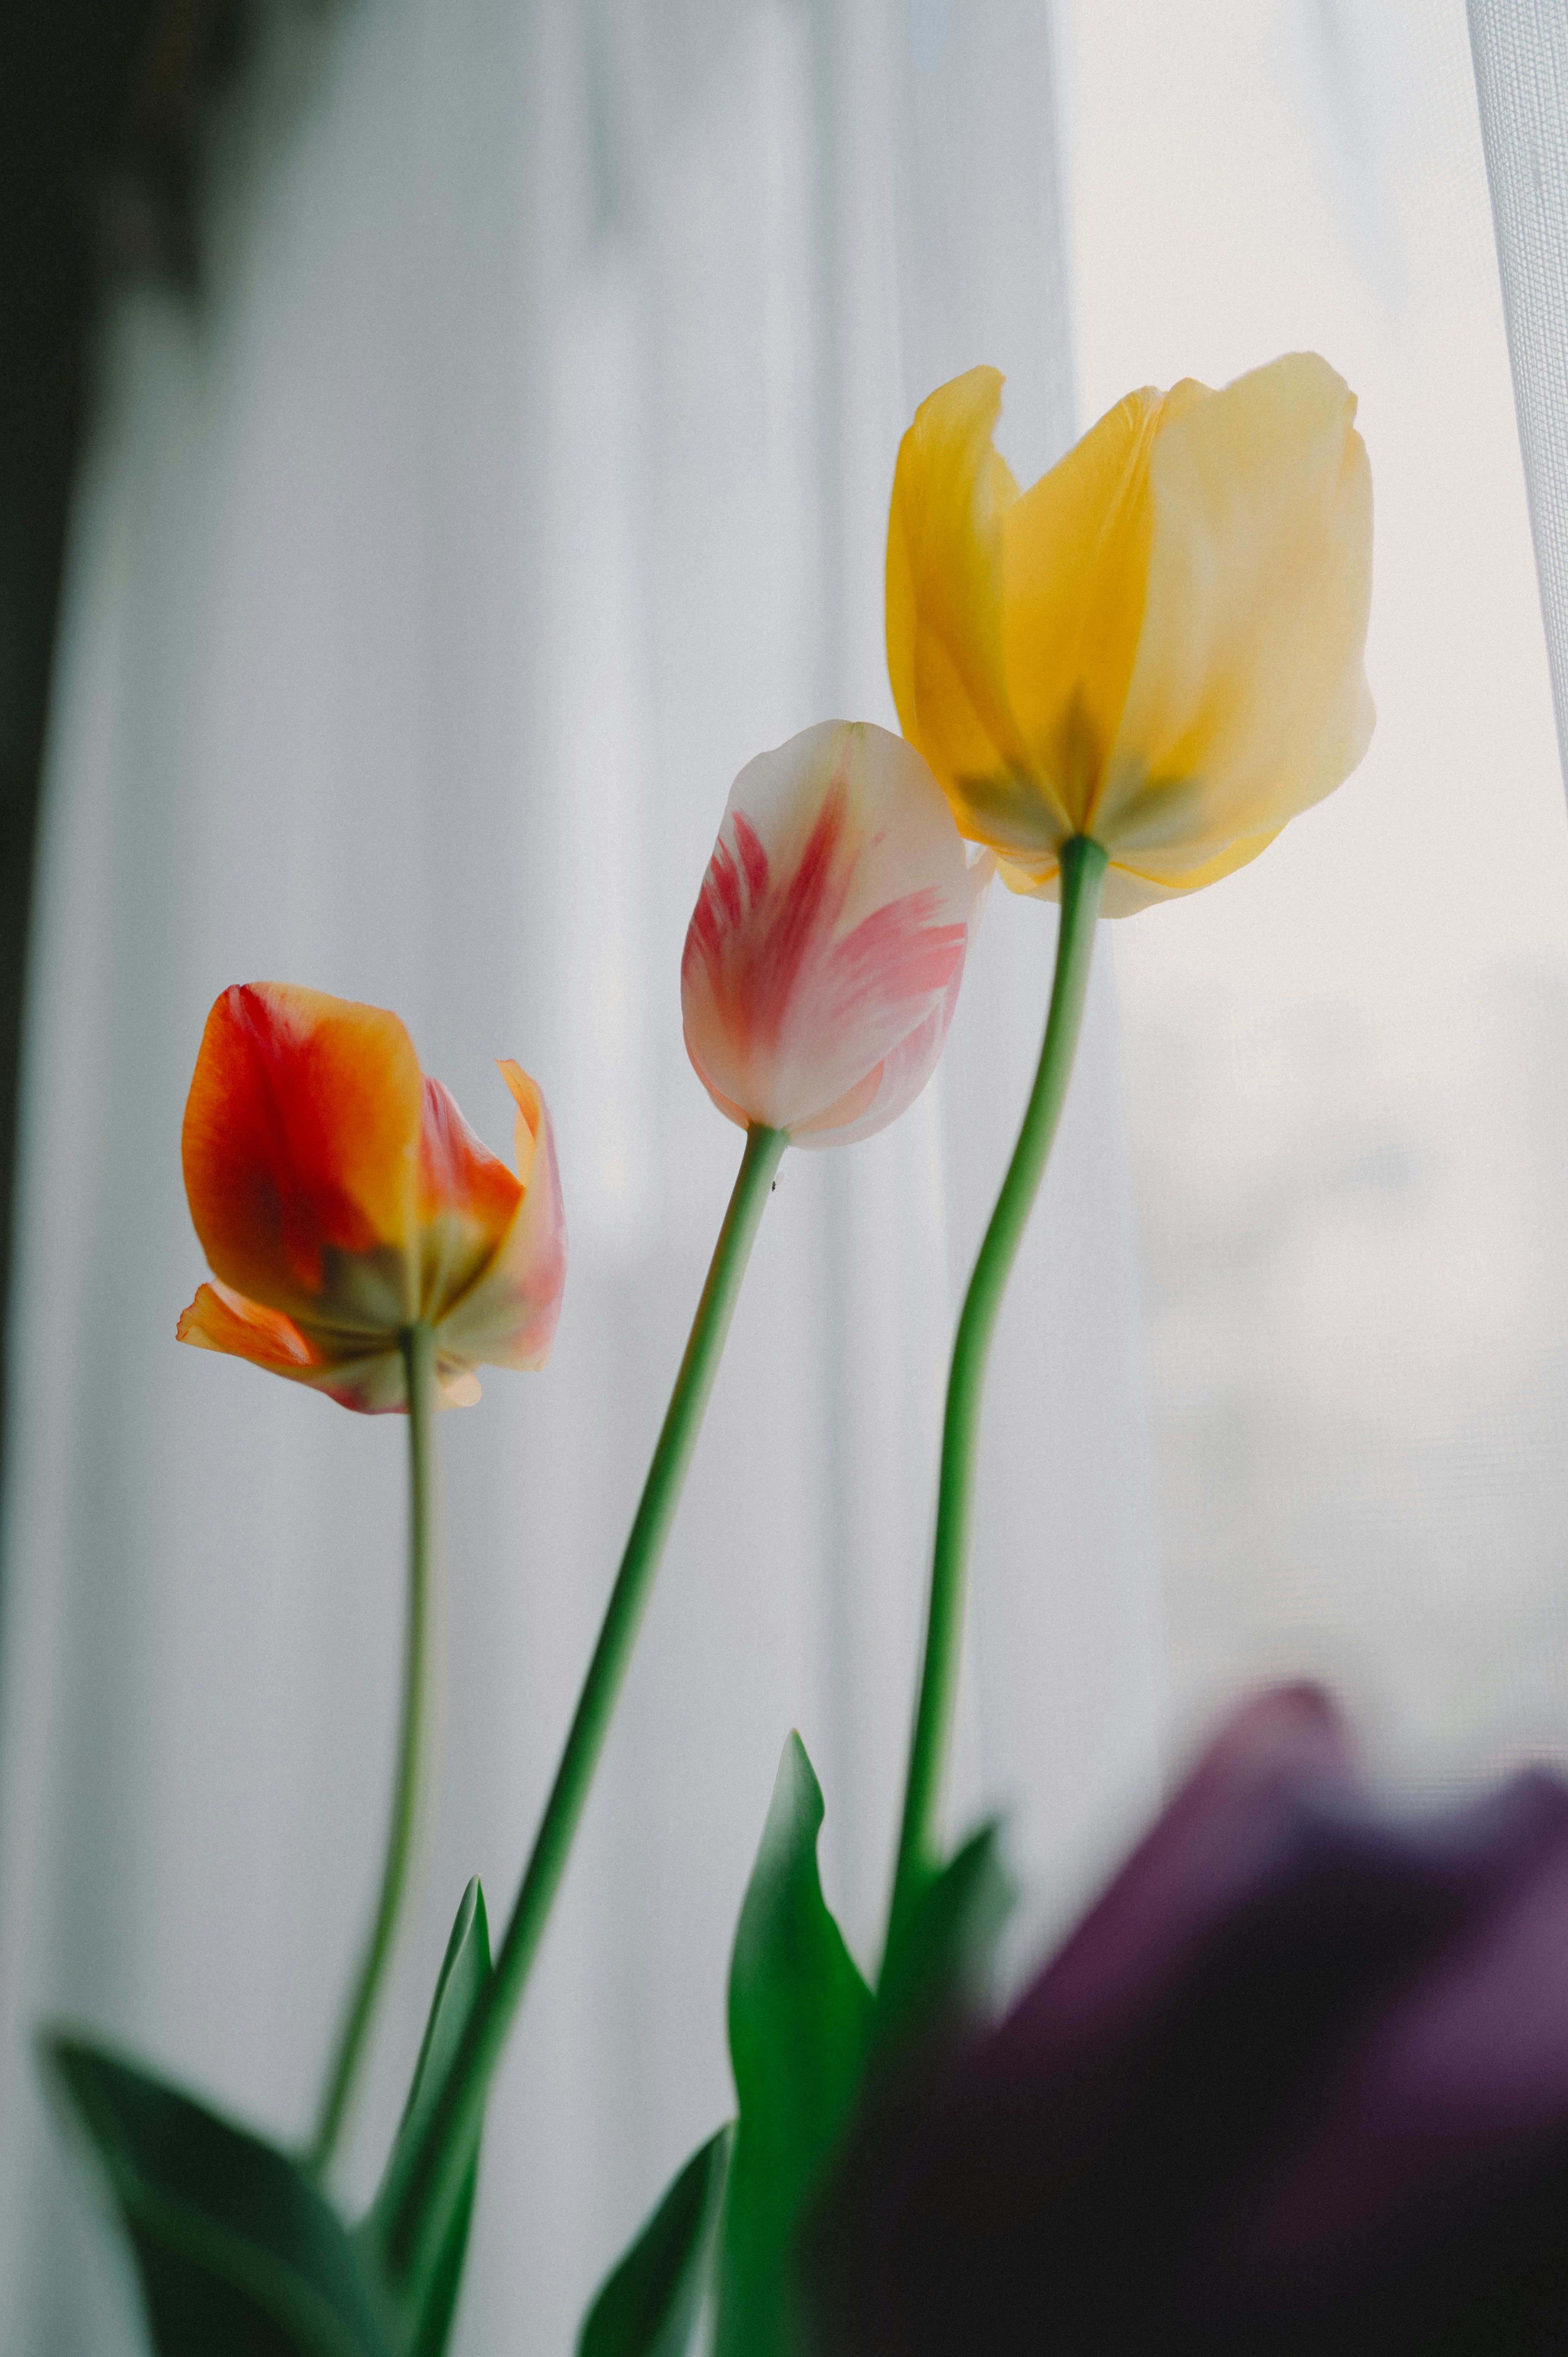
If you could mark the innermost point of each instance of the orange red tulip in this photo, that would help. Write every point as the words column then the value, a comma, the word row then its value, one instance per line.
column 341, row 1198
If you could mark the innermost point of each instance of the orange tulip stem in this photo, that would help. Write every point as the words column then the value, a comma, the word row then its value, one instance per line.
column 422, row 2196
column 418, row 1346
column 1083, row 865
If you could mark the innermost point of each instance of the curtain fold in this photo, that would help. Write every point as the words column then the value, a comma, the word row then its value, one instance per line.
column 520, row 471
column 1520, row 52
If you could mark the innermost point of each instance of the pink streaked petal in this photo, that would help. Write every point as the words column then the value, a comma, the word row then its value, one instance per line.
column 832, row 925
column 900, row 1078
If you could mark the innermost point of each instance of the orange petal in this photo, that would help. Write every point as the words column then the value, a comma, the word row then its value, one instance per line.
column 301, row 1147
column 221, row 1320
column 951, row 493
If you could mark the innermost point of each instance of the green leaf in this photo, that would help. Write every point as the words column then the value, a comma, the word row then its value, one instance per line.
column 648, row 2304
column 237, row 2249
column 940, row 1950
column 800, row 2029
column 465, row 1973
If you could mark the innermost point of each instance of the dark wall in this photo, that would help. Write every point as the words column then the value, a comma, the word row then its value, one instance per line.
column 99, row 104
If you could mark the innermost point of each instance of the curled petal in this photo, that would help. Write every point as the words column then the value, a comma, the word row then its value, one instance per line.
column 468, row 1200
column 508, row 1315
column 952, row 493
column 828, row 942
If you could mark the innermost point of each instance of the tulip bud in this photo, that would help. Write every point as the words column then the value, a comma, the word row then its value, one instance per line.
column 823, row 959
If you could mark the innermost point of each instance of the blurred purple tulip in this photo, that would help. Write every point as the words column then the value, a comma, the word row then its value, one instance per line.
column 1298, row 2084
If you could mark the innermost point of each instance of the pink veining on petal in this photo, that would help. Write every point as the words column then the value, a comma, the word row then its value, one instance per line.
column 789, row 994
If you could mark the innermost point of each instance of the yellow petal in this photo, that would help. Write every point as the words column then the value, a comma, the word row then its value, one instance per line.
column 1126, row 890
column 1074, row 555
column 951, row 491
column 1249, row 698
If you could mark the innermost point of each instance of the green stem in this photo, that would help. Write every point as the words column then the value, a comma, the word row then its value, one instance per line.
column 1082, row 878
column 418, row 1346
column 419, row 2199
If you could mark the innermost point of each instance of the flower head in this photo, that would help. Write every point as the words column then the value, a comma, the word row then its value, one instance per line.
column 1159, row 644
column 341, row 1198
column 1297, row 2083
column 823, row 960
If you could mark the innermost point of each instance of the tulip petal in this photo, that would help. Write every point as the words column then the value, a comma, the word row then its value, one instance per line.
column 1075, row 554
column 1249, row 699
column 221, row 1320
column 508, row 1315
column 832, row 923
column 468, row 1200
column 950, row 492
column 300, row 1148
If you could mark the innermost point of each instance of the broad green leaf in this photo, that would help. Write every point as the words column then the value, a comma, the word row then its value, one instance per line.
column 800, row 2027
column 940, row 1950
column 465, row 1972
column 648, row 2303
column 238, row 2251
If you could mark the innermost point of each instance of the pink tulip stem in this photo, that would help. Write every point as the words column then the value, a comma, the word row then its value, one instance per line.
column 1083, row 865
column 418, row 1347
column 430, row 2176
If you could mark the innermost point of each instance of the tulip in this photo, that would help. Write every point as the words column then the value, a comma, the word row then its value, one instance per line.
column 341, row 1198
column 364, row 1242
column 823, row 960
column 1298, row 2083
column 817, row 984
column 1159, row 646
column 1127, row 680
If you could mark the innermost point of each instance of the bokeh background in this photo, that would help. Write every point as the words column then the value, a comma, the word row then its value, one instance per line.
column 486, row 429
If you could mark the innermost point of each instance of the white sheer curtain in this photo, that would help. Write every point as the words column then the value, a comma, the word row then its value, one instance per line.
column 1349, row 1064
column 1522, row 80
column 521, row 470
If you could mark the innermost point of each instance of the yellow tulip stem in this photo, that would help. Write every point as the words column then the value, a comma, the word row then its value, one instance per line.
column 422, row 2198
column 418, row 1346
column 1083, row 866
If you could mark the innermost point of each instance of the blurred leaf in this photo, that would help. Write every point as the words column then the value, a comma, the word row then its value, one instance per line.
column 237, row 2249
column 465, row 1972
column 940, row 1950
column 800, row 2027
column 648, row 2303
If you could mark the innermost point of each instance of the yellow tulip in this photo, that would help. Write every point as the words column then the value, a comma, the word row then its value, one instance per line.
column 1159, row 646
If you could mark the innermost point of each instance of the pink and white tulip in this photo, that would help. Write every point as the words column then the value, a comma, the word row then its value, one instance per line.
column 824, row 956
